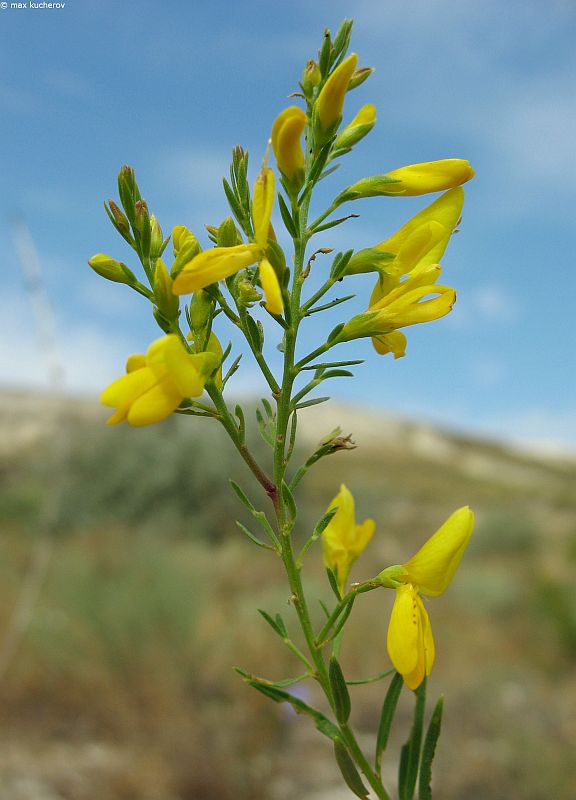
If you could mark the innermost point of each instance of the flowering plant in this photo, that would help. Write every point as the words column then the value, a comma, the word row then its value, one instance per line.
column 247, row 281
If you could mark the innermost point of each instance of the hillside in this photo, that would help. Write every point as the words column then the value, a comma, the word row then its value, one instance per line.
column 148, row 597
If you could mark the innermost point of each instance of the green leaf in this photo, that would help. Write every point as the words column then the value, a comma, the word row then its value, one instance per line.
column 348, row 770
column 289, row 501
column 339, row 265
column 276, row 624
column 325, row 54
column 243, row 497
column 265, row 428
column 241, row 421
column 335, row 364
column 409, row 770
column 333, row 581
column 287, row 217
column 371, row 679
column 314, row 402
column 338, row 373
column 338, row 301
column 319, row 162
column 253, row 538
column 254, row 332
column 342, row 39
column 342, row 706
column 322, row 723
column 235, row 206
column 429, row 750
column 387, row 716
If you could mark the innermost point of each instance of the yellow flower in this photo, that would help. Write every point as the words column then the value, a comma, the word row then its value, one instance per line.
column 360, row 126
column 396, row 303
column 331, row 98
column 403, row 306
column 421, row 241
column 286, row 143
column 219, row 263
column 343, row 540
column 156, row 383
column 430, row 176
column 410, row 642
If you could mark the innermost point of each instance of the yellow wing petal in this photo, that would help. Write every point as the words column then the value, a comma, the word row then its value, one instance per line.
column 156, row 404
column 214, row 265
column 262, row 203
column 128, row 388
column 271, row 287
column 404, row 631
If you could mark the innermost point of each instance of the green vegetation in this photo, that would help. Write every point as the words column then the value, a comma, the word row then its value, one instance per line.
column 107, row 696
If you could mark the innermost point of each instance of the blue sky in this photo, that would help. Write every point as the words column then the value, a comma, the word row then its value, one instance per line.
column 170, row 87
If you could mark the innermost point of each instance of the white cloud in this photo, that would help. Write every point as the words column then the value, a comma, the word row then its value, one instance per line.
column 494, row 305
column 198, row 171
column 87, row 357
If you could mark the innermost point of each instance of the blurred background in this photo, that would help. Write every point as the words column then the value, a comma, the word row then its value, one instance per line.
column 126, row 593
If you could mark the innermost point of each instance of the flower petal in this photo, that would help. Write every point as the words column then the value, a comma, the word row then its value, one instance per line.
column 156, row 404
column 128, row 388
column 404, row 634
column 262, row 203
column 393, row 342
column 271, row 287
column 432, row 568
column 214, row 265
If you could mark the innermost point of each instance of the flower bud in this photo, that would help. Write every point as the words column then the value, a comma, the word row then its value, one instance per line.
column 119, row 219
column 142, row 226
column 186, row 246
column 415, row 179
column 247, row 293
column 360, row 126
column 112, row 270
column 359, row 76
column 167, row 302
column 311, row 77
column 128, row 191
column 371, row 259
column 331, row 98
column 182, row 237
column 286, row 143
column 156, row 237
column 227, row 235
column 201, row 310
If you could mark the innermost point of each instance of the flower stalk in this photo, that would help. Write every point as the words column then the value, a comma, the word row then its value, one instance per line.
column 233, row 283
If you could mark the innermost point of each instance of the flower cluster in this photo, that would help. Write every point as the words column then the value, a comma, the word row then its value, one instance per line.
column 246, row 280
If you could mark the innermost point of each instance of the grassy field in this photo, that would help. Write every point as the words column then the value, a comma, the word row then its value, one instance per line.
column 121, row 686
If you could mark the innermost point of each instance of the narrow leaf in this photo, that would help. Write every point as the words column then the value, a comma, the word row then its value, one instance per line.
column 254, row 333
column 340, row 692
column 335, row 364
column 387, row 716
column 322, row 723
column 288, row 498
column 428, row 751
column 243, row 497
column 348, row 770
column 314, row 402
column 333, row 581
column 408, row 783
column 273, row 623
column 253, row 538
column 235, row 206
column 287, row 217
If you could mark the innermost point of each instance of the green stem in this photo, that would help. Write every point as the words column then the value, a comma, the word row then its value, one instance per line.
column 227, row 421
